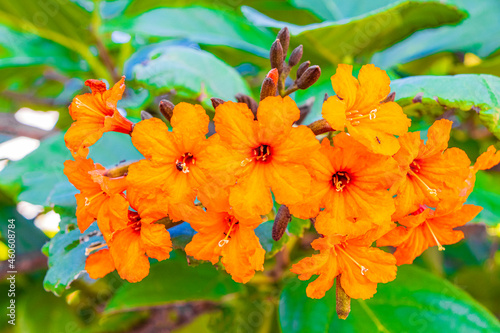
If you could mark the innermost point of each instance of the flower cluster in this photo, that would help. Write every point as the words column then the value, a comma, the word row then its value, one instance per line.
column 369, row 180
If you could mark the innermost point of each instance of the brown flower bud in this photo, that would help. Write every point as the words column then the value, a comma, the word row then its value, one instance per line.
column 296, row 56
column 276, row 55
column 249, row 101
column 343, row 301
column 302, row 68
column 167, row 109
column 145, row 115
column 310, row 76
column 216, row 102
column 283, row 217
column 268, row 88
column 284, row 37
column 390, row 98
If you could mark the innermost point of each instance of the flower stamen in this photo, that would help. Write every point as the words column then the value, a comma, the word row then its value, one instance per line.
column 89, row 200
column 182, row 165
column 354, row 116
column 232, row 222
column 363, row 268
column 440, row 247
column 340, row 180
column 431, row 191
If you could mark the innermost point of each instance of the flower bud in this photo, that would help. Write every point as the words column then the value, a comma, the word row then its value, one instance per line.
column 284, row 37
column 302, row 68
column 146, row 115
column 310, row 76
column 216, row 102
column 274, row 75
column 276, row 55
column 249, row 101
column 390, row 98
column 296, row 56
column 167, row 108
column 268, row 88
column 343, row 301
column 283, row 217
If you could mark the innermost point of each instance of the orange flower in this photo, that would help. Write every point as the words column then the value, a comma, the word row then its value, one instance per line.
column 96, row 191
column 432, row 172
column 351, row 184
column 358, row 106
column 138, row 238
column 94, row 114
column 350, row 258
column 262, row 154
column 426, row 228
column 171, row 173
column 221, row 234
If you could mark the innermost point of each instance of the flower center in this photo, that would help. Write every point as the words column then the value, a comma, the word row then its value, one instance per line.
column 340, row 180
column 182, row 164
column 413, row 171
column 134, row 220
column 355, row 116
column 262, row 153
column 231, row 222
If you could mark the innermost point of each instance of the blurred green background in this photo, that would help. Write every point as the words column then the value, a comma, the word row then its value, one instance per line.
column 192, row 51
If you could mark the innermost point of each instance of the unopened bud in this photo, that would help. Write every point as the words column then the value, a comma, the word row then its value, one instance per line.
column 167, row 109
column 274, row 75
column 302, row 68
column 296, row 56
column 249, row 101
column 283, row 217
column 146, row 115
column 276, row 55
column 390, row 98
column 216, row 102
column 268, row 88
column 343, row 301
column 310, row 76
column 284, row 37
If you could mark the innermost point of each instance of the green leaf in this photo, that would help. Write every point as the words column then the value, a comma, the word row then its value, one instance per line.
column 337, row 41
column 171, row 281
column 471, row 35
column 487, row 195
column 298, row 226
column 264, row 231
column 198, row 24
column 480, row 93
column 67, row 256
column 188, row 71
column 415, row 301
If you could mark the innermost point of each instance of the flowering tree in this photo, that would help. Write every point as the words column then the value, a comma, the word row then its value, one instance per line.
column 294, row 197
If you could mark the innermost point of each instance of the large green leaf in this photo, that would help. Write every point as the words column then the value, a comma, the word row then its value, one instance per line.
column 189, row 71
column 335, row 41
column 480, row 93
column 198, row 24
column 171, row 281
column 472, row 35
column 416, row 301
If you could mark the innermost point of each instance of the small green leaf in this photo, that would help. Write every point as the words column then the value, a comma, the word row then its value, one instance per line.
column 170, row 281
column 416, row 301
column 190, row 72
column 487, row 195
column 479, row 93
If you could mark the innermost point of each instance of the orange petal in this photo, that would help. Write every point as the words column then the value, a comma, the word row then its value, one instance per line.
column 235, row 124
column 488, row 159
column 99, row 264
column 345, row 85
column 438, row 136
column 152, row 138
column 128, row 255
column 289, row 182
column 333, row 111
column 299, row 144
column 113, row 215
column 156, row 240
column 276, row 116
column 374, row 86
